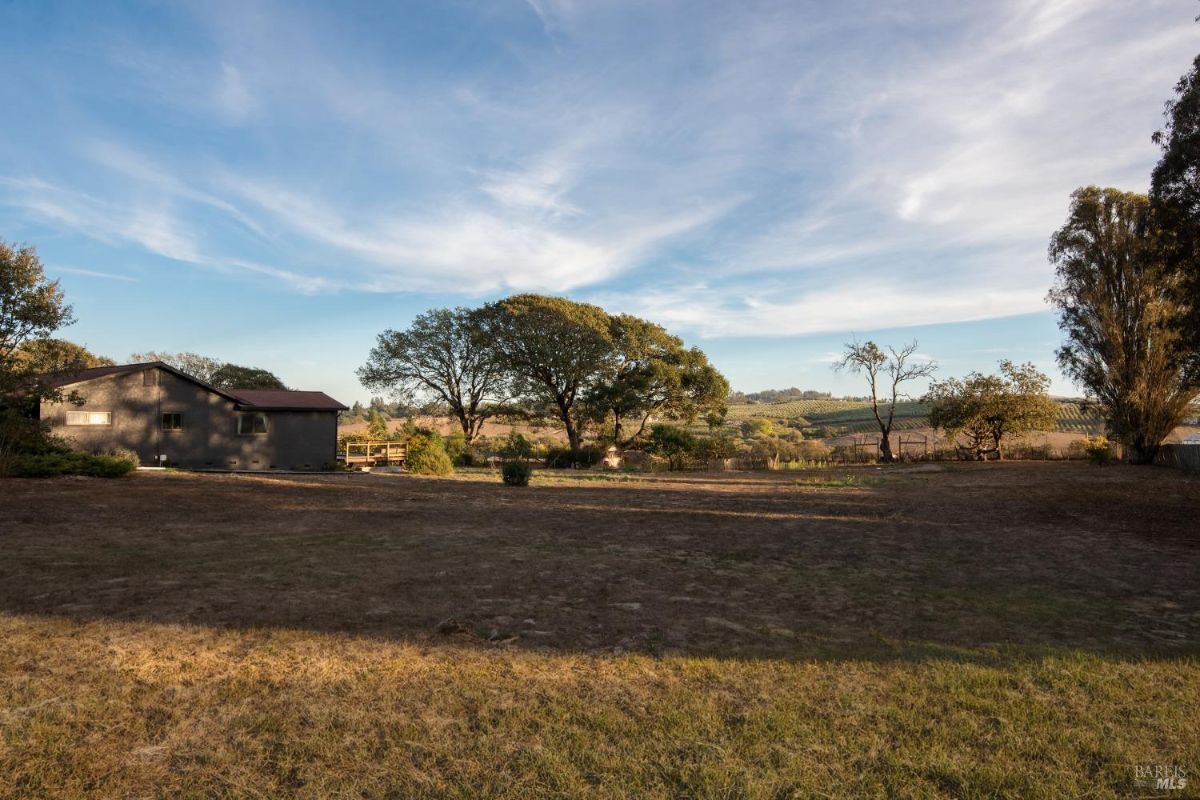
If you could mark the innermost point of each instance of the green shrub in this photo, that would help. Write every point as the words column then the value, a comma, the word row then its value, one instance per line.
column 427, row 454
column 715, row 448
column 120, row 452
column 814, row 451
column 108, row 466
column 1099, row 451
column 516, row 473
column 673, row 443
column 564, row 457
column 456, row 446
column 47, row 465
column 757, row 427
column 516, row 446
column 470, row 457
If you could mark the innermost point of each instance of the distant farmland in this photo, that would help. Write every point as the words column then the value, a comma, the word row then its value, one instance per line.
column 840, row 417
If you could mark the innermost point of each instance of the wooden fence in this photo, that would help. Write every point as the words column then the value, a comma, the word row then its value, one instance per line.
column 1179, row 456
column 372, row 454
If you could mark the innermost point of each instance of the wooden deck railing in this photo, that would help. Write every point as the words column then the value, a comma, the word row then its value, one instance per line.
column 372, row 454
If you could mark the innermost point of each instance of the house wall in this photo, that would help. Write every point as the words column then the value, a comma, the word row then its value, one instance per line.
column 209, row 438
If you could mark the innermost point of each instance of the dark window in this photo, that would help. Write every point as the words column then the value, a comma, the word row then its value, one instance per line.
column 252, row 423
column 172, row 421
column 150, row 377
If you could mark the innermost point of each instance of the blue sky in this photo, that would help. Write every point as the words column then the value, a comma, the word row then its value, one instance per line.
column 275, row 183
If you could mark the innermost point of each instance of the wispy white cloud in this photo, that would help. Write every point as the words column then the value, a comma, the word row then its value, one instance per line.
column 150, row 227
column 139, row 171
column 542, row 188
column 555, row 16
column 757, row 168
column 232, row 96
column 91, row 273
column 155, row 229
column 845, row 307
column 477, row 250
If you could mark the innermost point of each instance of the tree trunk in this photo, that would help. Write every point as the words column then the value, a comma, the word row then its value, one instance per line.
column 1142, row 453
column 466, row 427
column 573, row 437
column 885, row 450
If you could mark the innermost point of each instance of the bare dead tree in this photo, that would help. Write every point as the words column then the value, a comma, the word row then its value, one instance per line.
column 886, row 370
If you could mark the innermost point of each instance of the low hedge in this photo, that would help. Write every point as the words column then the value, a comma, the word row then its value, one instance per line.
column 47, row 465
column 564, row 457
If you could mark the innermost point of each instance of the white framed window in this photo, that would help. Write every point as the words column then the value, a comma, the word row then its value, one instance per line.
column 89, row 418
column 252, row 423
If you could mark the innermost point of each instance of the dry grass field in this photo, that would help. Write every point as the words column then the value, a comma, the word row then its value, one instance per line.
column 1021, row 630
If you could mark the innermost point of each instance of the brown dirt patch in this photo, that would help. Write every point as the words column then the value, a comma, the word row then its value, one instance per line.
column 789, row 565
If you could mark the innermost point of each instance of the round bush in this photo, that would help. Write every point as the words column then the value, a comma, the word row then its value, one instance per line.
column 1100, row 451
column 427, row 456
column 516, row 473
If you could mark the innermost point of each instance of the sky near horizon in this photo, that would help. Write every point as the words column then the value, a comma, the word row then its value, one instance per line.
column 273, row 184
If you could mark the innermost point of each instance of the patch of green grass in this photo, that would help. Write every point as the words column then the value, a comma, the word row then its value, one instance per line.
column 833, row 480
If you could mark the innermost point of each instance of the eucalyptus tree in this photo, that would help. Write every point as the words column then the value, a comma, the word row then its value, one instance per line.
column 1175, row 202
column 1120, row 301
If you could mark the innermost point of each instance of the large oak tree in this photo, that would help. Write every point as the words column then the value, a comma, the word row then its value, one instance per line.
column 31, row 309
column 58, row 355
column 233, row 376
column 445, row 354
column 555, row 350
column 987, row 410
column 652, row 374
column 202, row 368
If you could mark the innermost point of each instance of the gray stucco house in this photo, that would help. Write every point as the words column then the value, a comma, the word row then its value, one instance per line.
column 170, row 418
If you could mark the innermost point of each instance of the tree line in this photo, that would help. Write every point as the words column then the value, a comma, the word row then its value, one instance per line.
column 779, row 396
column 535, row 356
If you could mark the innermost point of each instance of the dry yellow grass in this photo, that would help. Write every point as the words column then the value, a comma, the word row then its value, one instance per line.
column 101, row 709
column 1022, row 630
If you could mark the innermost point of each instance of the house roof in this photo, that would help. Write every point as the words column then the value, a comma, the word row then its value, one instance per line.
column 79, row 376
column 256, row 399
column 285, row 400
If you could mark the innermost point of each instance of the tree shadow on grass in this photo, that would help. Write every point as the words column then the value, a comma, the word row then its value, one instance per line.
column 714, row 567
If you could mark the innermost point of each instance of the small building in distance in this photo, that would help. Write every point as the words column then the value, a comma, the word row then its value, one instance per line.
column 170, row 418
